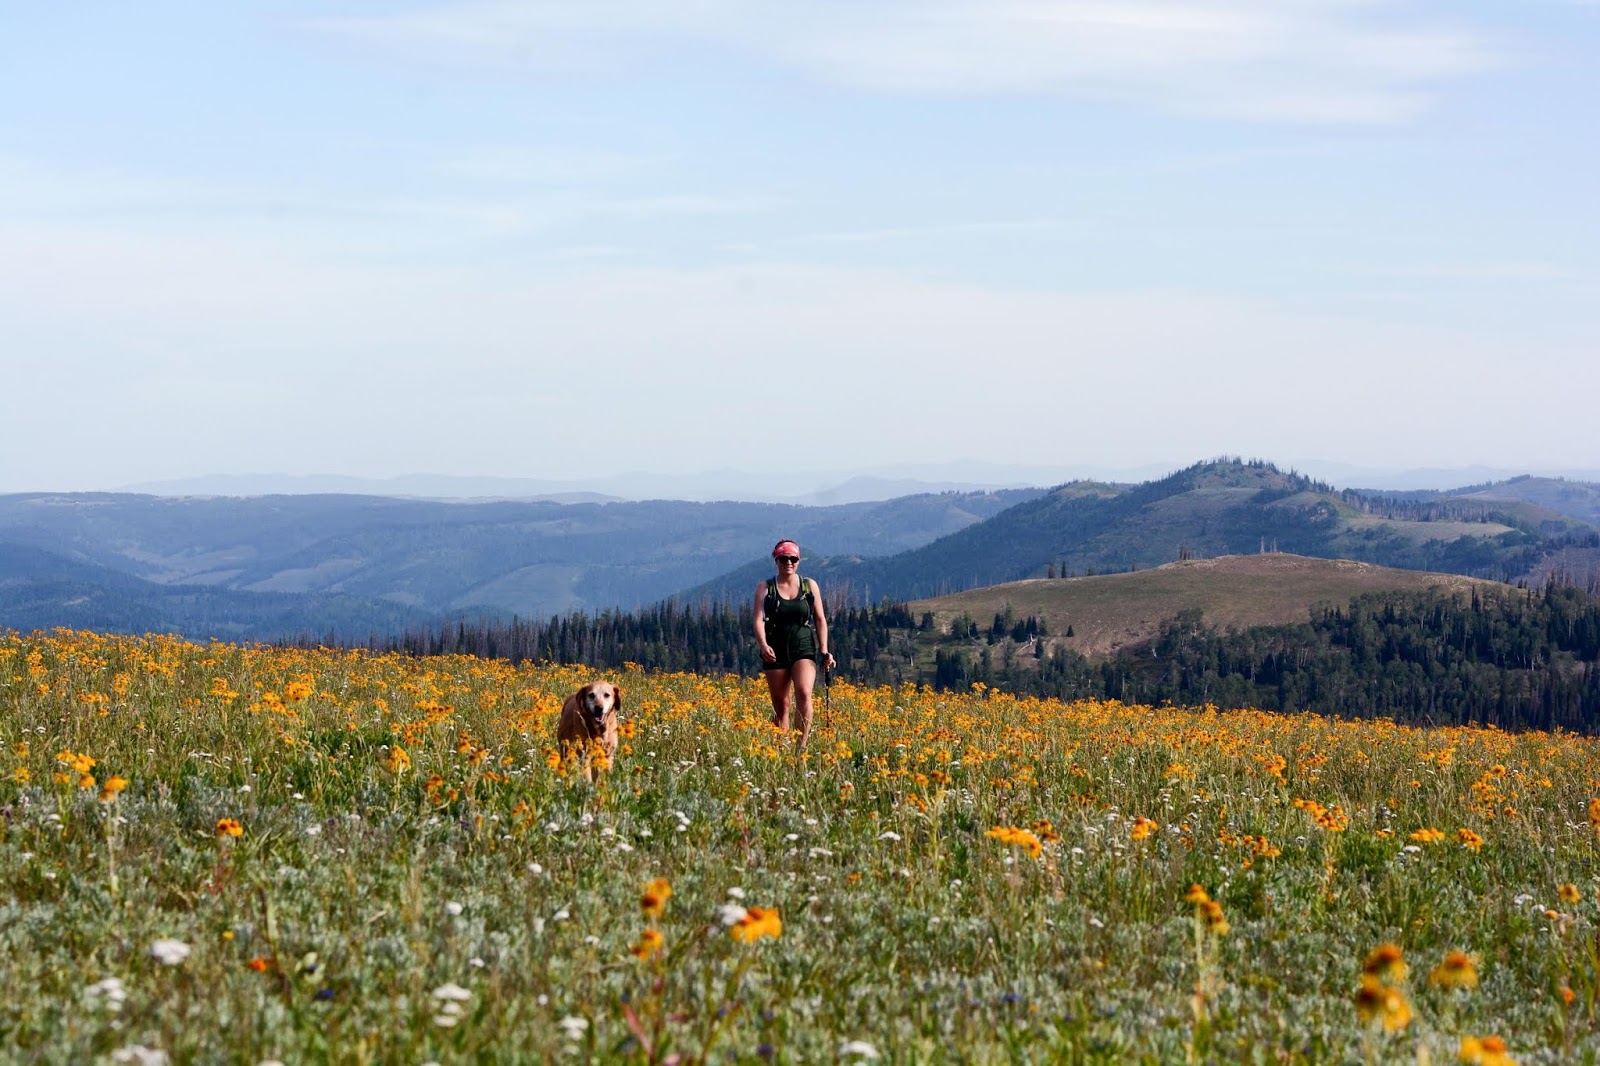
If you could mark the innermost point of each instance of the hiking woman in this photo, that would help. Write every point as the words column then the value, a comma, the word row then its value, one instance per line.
column 792, row 630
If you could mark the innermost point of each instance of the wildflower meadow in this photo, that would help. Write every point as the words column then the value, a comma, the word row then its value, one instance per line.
column 226, row 854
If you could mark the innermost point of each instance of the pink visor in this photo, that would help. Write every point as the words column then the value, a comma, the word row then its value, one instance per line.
column 786, row 547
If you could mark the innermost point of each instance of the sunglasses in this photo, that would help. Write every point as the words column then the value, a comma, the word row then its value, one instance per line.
column 787, row 558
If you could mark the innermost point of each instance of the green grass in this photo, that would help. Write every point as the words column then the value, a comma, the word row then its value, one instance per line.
column 477, row 900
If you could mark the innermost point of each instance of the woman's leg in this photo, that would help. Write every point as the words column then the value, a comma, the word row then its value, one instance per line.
column 804, row 672
column 778, row 689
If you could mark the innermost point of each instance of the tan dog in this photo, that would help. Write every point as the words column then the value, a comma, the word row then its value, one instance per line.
column 589, row 718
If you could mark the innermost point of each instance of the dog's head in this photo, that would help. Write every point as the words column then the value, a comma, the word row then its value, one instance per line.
column 597, row 700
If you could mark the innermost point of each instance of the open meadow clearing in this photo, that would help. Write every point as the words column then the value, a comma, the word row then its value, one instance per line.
column 215, row 853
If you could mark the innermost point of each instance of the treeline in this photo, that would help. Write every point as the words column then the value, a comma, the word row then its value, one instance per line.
column 1529, row 660
column 713, row 638
column 1519, row 660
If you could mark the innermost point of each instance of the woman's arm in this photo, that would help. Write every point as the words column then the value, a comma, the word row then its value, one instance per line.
column 827, row 658
column 767, row 654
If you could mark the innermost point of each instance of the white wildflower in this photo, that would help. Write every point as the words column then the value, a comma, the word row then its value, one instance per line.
column 736, row 892
column 888, row 834
column 452, row 992
column 573, row 1026
column 858, row 1047
column 453, row 909
column 731, row 913
column 170, row 952
column 140, row 1055
column 108, row 993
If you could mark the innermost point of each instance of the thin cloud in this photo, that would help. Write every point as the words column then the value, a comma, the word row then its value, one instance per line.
column 897, row 233
column 1294, row 60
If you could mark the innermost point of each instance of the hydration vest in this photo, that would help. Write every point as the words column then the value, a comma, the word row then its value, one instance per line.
column 770, row 605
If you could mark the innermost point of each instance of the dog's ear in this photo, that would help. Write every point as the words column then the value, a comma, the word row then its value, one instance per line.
column 583, row 694
column 617, row 706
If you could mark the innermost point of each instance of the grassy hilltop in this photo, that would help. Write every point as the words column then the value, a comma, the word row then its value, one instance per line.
column 1114, row 611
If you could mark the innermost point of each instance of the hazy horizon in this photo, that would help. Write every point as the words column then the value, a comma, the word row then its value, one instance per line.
column 808, row 487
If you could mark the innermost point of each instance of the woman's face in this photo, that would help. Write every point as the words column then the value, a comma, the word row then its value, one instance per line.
column 787, row 564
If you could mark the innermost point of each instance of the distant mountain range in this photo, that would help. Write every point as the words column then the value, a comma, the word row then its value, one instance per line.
column 812, row 488
column 261, row 567
column 202, row 565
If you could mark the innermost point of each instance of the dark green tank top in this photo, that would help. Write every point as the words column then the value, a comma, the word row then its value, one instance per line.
column 785, row 613
column 789, row 628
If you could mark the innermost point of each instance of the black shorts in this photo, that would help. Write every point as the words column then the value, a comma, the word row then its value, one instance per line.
column 792, row 644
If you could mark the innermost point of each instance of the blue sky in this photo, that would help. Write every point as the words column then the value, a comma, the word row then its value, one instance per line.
column 562, row 240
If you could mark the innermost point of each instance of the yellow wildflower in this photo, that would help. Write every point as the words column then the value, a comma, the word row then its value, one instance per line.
column 1142, row 827
column 654, row 900
column 1428, row 836
column 757, row 923
column 1378, row 1002
column 1210, row 912
column 650, row 942
column 1485, row 1051
column 229, row 827
column 1456, row 970
column 1386, row 963
column 1021, row 838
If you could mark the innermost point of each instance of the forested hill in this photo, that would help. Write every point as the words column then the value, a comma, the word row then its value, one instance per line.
column 1224, row 507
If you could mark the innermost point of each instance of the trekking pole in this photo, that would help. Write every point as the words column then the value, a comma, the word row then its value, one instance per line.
column 827, row 698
